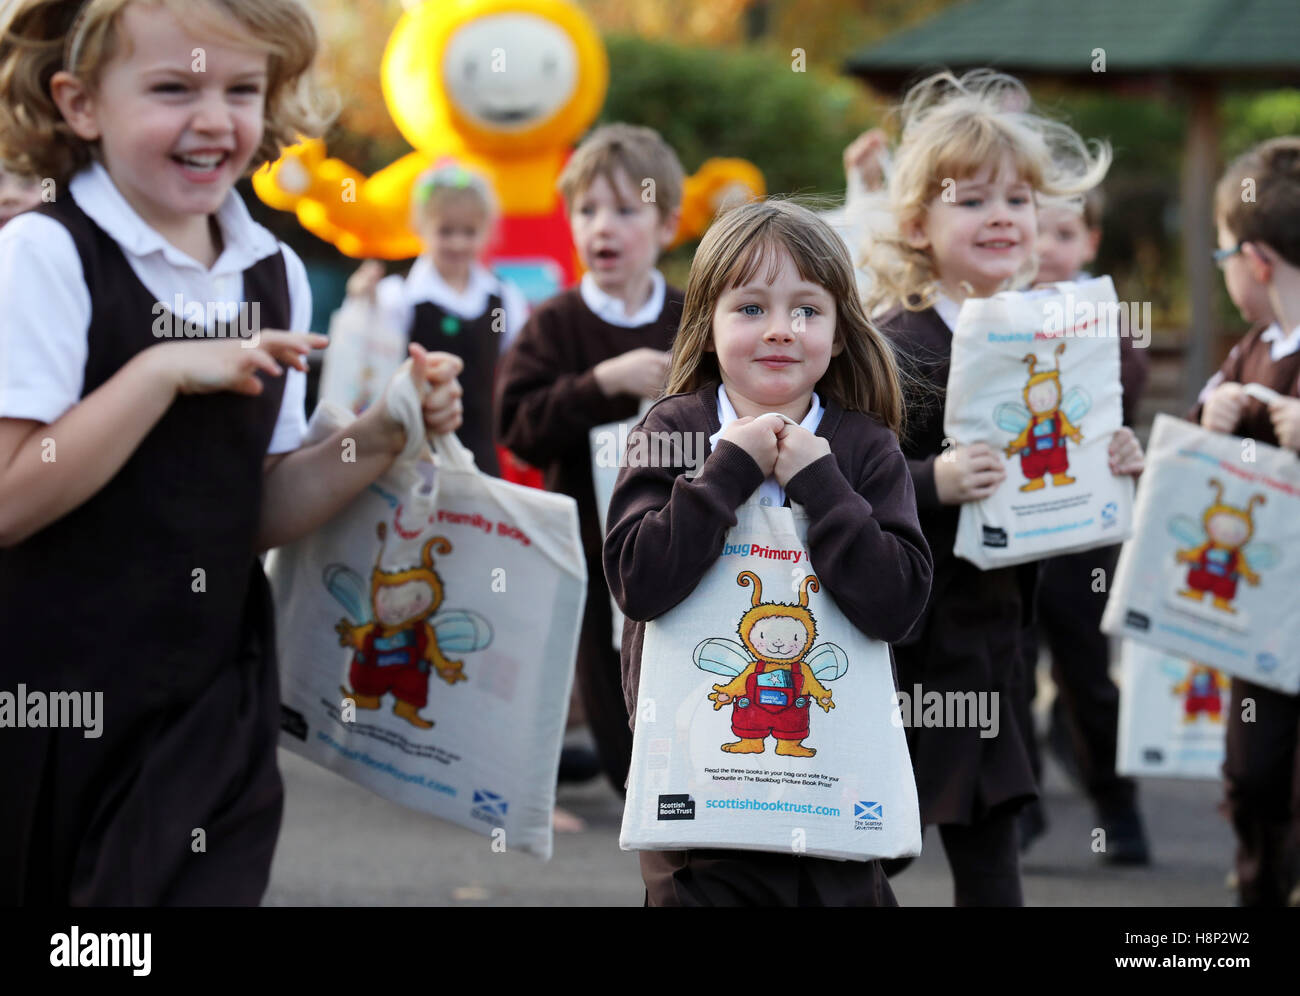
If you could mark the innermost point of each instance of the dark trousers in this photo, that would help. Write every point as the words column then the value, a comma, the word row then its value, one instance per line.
column 714, row 877
column 1069, row 617
column 985, row 859
column 1262, row 780
column 600, row 684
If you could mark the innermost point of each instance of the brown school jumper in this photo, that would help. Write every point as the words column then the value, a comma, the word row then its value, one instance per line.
column 547, row 401
column 104, row 600
column 1262, row 764
column 666, row 531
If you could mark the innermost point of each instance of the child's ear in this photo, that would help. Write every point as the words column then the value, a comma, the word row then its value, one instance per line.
column 913, row 232
column 1261, row 266
column 77, row 105
column 1094, row 242
column 668, row 229
column 837, row 346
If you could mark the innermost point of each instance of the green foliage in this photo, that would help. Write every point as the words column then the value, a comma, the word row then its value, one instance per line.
column 748, row 103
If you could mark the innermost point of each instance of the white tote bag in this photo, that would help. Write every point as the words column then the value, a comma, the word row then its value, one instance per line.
column 608, row 445
column 427, row 639
column 1035, row 374
column 1213, row 570
column 1172, row 715
column 829, row 774
column 364, row 353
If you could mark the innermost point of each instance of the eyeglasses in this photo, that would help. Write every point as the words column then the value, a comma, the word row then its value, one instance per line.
column 1221, row 256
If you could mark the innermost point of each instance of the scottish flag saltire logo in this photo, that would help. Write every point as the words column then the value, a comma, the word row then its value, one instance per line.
column 867, row 811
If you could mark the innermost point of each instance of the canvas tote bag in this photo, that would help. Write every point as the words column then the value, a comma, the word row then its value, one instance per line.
column 1172, row 715
column 1212, row 570
column 854, row 798
column 1035, row 374
column 427, row 637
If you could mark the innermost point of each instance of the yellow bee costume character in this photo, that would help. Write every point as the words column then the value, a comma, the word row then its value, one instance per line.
column 1044, row 425
column 1201, row 689
column 775, row 674
column 394, row 647
column 1220, row 552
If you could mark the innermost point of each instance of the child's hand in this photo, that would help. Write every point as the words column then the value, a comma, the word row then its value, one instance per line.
column 967, row 473
column 862, row 157
column 1223, row 408
column 232, row 364
column 1125, row 453
column 796, row 449
column 363, row 282
column 640, row 372
column 1285, row 415
column 757, row 437
column 443, row 411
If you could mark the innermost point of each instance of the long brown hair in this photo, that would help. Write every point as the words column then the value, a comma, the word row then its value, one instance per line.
column 863, row 377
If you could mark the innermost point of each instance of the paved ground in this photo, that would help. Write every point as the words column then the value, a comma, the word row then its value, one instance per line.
column 343, row 846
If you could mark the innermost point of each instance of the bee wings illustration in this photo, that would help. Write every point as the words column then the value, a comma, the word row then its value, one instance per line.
column 726, row 657
column 1011, row 416
column 1187, row 530
column 461, row 631
column 1076, row 404
column 349, row 590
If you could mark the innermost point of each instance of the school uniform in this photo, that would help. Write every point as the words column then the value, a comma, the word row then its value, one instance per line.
column 476, row 323
column 149, row 592
column 1069, row 609
column 969, row 640
column 547, row 402
column 1261, row 767
column 666, row 531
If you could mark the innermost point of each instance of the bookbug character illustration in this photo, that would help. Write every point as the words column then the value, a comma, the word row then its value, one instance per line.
column 1044, row 425
column 775, row 671
column 1201, row 687
column 1219, row 550
column 395, row 635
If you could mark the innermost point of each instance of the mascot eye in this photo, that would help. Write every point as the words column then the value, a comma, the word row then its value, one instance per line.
column 470, row 69
column 548, row 65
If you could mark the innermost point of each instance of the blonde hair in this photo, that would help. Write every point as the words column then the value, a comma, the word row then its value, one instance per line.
column 951, row 128
column 38, row 38
column 863, row 377
column 448, row 182
column 640, row 153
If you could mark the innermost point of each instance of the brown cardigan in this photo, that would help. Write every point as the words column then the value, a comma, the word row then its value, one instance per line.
column 666, row 530
column 1251, row 361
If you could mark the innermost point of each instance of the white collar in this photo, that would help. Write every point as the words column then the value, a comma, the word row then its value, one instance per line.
column 611, row 309
column 947, row 309
column 425, row 283
column 727, row 415
column 244, row 240
column 1281, row 346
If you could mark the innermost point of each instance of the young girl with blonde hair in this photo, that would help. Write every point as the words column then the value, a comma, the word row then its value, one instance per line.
column 972, row 159
column 771, row 324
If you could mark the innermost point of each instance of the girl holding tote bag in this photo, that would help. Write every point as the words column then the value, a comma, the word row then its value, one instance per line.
column 778, row 367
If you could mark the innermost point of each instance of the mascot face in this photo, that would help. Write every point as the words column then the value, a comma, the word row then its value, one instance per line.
column 1228, row 528
column 403, row 601
column 779, row 637
column 509, row 71
column 1043, row 397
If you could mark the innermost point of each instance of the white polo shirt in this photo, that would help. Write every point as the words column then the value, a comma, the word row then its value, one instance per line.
column 397, row 296
column 46, row 309
column 611, row 309
column 769, row 492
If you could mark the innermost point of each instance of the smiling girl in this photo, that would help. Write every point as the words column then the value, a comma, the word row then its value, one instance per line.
column 141, row 475
column 772, row 324
column 972, row 159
